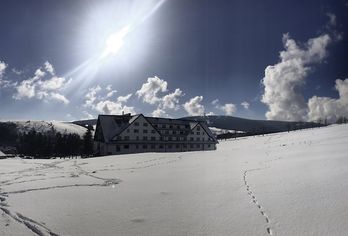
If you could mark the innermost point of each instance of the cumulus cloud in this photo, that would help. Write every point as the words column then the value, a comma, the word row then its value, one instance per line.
column 104, row 105
column 229, row 108
column 194, row 107
column 150, row 93
column 43, row 85
column 245, row 104
column 3, row 67
column 159, row 113
column 284, row 80
column 124, row 98
column 170, row 101
column 330, row 108
column 149, row 90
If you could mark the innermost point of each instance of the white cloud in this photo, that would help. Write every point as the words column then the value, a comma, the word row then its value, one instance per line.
column 149, row 90
column 229, row 108
column 283, row 81
column 59, row 97
column 108, row 87
column 332, row 19
column 171, row 101
column 111, row 93
column 124, row 98
column 104, row 105
column 91, row 95
column 245, row 104
column 49, row 68
column 330, row 108
column 194, row 107
column 215, row 102
column 113, row 108
column 41, row 87
column 3, row 67
column 159, row 113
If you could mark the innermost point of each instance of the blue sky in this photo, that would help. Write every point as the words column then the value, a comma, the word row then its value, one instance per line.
column 68, row 60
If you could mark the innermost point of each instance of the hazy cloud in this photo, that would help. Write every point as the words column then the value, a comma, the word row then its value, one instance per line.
column 3, row 67
column 245, row 104
column 229, row 108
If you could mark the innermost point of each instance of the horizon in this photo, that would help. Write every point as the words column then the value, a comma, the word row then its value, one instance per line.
column 75, row 60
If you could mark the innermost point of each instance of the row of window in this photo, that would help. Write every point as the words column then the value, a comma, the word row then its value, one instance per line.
column 153, row 146
column 145, row 131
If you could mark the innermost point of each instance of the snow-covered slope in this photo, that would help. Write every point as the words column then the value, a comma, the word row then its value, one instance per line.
column 280, row 184
column 44, row 126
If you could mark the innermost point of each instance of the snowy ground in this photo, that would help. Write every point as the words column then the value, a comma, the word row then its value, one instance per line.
column 280, row 184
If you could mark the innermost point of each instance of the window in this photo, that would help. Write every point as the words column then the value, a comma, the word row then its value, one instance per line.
column 153, row 146
column 144, row 137
column 198, row 128
column 181, row 132
column 137, row 138
column 153, row 138
column 144, row 146
column 145, row 124
column 136, row 131
column 161, row 146
column 198, row 133
column 145, row 131
column 153, row 131
column 119, row 138
column 177, row 146
column 187, row 126
column 127, row 130
column 170, row 146
column 170, row 138
column 137, row 146
column 191, row 145
column 198, row 139
column 185, row 146
column 136, row 123
column 118, row 148
column 198, row 145
column 164, row 126
column 126, row 146
column 170, row 126
column 191, row 139
column 192, row 132
column 167, row 132
column 126, row 137
column 174, row 132
column 208, row 145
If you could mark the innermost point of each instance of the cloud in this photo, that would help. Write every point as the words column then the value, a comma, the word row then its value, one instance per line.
column 124, row 98
column 59, row 97
column 49, row 68
column 229, row 108
column 91, row 95
column 42, row 87
column 332, row 19
column 149, row 90
column 170, row 101
column 245, row 104
column 330, row 108
column 159, row 113
column 194, row 107
column 215, row 102
column 112, row 108
column 284, row 80
column 3, row 67
column 104, row 105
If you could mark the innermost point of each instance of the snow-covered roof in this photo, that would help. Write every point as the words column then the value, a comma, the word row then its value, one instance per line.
column 2, row 154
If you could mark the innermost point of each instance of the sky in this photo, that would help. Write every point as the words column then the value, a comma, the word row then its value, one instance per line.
column 277, row 60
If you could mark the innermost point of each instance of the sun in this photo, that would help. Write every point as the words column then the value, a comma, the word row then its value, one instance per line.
column 115, row 41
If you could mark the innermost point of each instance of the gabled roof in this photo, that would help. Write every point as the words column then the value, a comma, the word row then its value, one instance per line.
column 112, row 124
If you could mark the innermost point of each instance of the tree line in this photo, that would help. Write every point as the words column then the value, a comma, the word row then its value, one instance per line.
column 47, row 144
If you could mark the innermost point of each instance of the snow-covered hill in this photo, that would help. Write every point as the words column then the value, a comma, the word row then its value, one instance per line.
column 280, row 184
column 45, row 126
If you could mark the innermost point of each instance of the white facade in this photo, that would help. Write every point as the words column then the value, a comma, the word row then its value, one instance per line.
column 134, row 134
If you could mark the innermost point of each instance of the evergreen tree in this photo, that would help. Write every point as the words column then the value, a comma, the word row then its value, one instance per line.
column 88, row 142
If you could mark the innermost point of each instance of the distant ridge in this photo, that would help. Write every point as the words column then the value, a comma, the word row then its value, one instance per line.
column 254, row 126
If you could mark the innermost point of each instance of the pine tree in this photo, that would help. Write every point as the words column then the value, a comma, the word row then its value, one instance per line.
column 88, row 142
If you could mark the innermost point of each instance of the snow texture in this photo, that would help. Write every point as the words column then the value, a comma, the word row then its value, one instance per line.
column 280, row 184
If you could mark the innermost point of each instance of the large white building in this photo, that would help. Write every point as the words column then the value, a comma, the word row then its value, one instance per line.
column 120, row 134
